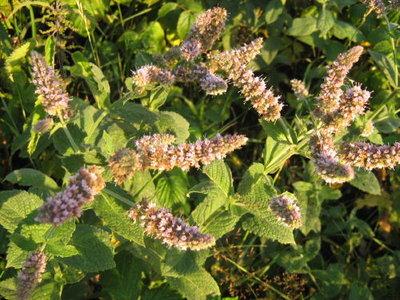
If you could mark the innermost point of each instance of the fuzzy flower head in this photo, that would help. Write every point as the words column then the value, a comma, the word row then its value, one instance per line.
column 155, row 140
column 286, row 210
column 65, row 205
column 325, row 157
column 234, row 65
column 299, row 89
column 151, row 75
column 329, row 97
column 205, row 31
column 212, row 84
column 352, row 104
column 31, row 274
column 161, row 157
column 331, row 170
column 174, row 232
column 50, row 87
column 370, row 156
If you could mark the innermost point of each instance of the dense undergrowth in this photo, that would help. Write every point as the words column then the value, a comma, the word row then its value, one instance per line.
column 162, row 150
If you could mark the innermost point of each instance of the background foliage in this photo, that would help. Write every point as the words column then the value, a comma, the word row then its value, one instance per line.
column 348, row 246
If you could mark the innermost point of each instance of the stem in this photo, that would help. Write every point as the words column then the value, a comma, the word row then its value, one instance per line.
column 68, row 134
column 118, row 197
column 146, row 184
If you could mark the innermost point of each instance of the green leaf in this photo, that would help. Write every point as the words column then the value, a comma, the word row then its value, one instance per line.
column 12, row 62
column 94, row 247
column 171, row 122
column 387, row 65
column 50, row 50
column 366, row 181
column 94, row 78
column 16, row 256
column 196, row 286
column 46, row 290
column 273, row 10
column 269, row 227
column 153, row 37
column 220, row 224
column 115, row 217
column 31, row 177
column 171, row 189
column 185, row 22
column 359, row 292
column 310, row 206
column 343, row 30
column 220, row 174
column 275, row 154
column 15, row 207
column 302, row 26
column 123, row 282
column 178, row 263
column 158, row 97
column 325, row 21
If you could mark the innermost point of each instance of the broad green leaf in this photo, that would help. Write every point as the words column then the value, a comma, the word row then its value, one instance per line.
column 16, row 256
column 221, row 223
column 163, row 292
column 94, row 247
column 388, row 66
column 269, row 227
column 273, row 10
column 178, row 263
column 115, row 216
column 185, row 22
column 310, row 206
column 46, row 290
column 15, row 207
column 325, row 21
column 343, row 30
column 214, row 200
column 158, row 97
column 94, row 78
column 275, row 154
column 31, row 177
column 303, row 26
column 251, row 177
column 153, row 38
column 196, row 286
column 12, row 62
column 142, row 185
column 366, row 181
column 171, row 189
column 172, row 122
column 123, row 282
column 220, row 174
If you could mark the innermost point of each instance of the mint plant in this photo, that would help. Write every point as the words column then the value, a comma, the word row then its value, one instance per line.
column 150, row 178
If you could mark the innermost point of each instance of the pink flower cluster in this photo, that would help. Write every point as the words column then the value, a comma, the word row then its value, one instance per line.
column 50, row 87
column 161, row 224
column 31, row 274
column 162, row 155
column 299, row 88
column 65, row 205
column 286, row 210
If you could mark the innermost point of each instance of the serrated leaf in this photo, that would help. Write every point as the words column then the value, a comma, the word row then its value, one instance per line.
column 276, row 153
column 310, row 206
column 185, row 22
column 123, row 282
column 31, row 177
column 171, row 189
column 13, row 60
column 214, row 200
column 196, row 286
column 221, row 223
column 15, row 207
column 16, row 256
column 178, row 263
column 94, row 247
column 269, row 227
column 220, row 174
column 302, row 26
column 172, row 122
column 115, row 217
column 50, row 50
column 94, row 78
column 366, row 181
